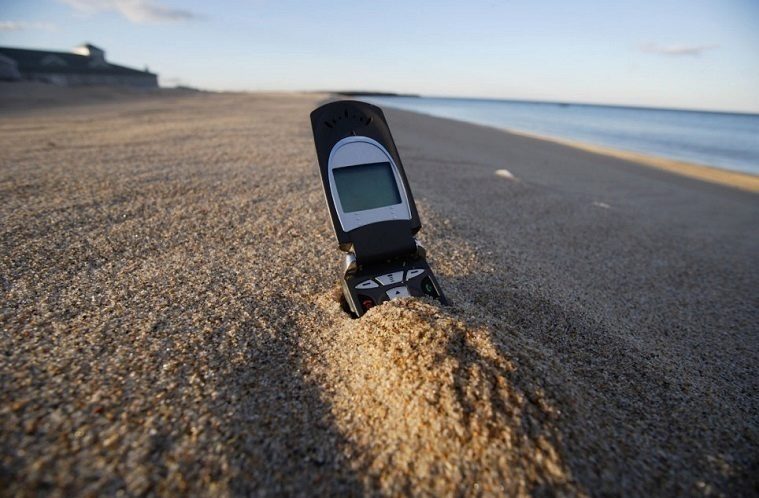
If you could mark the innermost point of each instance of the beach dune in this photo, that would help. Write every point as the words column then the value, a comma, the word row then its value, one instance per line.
column 171, row 319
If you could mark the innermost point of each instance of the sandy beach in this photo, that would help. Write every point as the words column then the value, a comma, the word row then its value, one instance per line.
column 734, row 179
column 170, row 322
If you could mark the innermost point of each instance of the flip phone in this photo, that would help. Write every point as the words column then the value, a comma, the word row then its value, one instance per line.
column 371, row 206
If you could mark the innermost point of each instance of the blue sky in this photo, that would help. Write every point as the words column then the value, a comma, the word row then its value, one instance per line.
column 699, row 54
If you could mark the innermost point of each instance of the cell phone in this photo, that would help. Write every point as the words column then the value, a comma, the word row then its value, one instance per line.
column 371, row 207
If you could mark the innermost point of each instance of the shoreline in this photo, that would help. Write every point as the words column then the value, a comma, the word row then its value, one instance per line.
column 50, row 97
column 712, row 174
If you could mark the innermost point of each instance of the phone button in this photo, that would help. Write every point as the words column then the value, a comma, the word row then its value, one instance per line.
column 391, row 278
column 366, row 302
column 413, row 273
column 395, row 292
column 428, row 288
column 367, row 284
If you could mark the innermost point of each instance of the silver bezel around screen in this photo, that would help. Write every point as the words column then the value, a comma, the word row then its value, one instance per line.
column 353, row 151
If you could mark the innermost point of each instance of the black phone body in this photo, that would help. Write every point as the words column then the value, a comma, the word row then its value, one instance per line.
column 371, row 206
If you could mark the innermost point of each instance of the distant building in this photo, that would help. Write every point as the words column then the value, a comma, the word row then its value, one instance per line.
column 85, row 65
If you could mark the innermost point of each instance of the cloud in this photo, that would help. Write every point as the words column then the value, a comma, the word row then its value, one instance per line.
column 677, row 50
column 137, row 11
column 24, row 25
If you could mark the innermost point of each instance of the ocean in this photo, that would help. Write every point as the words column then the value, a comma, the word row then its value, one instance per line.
column 718, row 139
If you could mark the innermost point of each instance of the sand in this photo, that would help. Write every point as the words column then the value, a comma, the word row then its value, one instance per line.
column 170, row 325
column 735, row 179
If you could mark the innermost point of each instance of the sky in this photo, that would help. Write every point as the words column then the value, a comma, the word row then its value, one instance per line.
column 693, row 54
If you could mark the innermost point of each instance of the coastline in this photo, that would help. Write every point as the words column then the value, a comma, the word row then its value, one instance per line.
column 735, row 179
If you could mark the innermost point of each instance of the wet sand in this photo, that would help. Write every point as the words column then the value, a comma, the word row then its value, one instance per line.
column 169, row 321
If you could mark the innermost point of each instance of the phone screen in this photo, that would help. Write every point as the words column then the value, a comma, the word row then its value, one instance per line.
column 366, row 186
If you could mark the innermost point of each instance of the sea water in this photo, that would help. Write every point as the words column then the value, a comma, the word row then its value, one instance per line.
column 719, row 139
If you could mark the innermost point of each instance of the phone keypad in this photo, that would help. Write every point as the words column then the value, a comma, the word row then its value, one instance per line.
column 395, row 278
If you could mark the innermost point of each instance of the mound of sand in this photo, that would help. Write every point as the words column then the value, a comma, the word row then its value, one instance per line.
column 431, row 407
